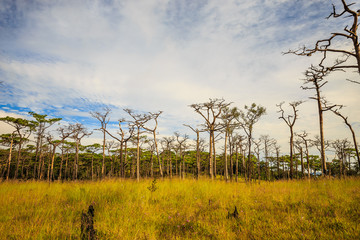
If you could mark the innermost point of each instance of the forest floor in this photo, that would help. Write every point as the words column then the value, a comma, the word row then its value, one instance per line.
column 182, row 209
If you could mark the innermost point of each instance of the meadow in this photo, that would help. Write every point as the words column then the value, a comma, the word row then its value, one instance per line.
column 183, row 209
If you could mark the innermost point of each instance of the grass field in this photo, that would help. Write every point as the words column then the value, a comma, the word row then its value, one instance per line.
column 182, row 209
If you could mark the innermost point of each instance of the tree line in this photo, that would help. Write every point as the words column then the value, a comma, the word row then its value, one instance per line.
column 135, row 150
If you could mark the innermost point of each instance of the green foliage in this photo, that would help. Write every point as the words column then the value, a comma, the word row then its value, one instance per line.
column 41, row 118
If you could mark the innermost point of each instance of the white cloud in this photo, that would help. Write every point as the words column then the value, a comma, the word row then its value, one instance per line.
column 164, row 55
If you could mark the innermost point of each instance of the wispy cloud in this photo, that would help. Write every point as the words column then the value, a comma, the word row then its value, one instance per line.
column 57, row 56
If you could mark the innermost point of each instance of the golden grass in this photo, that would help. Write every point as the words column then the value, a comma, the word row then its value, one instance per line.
column 182, row 209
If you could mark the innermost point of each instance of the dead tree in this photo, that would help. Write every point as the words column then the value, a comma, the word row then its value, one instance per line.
column 268, row 144
column 138, row 122
column 338, row 113
column 238, row 141
column 181, row 142
column 306, row 141
column 257, row 150
column 329, row 47
column 315, row 76
column 78, row 132
column 298, row 144
column 321, row 146
column 104, row 120
column 167, row 146
column 110, row 145
column 290, row 121
column 153, row 131
column 198, row 166
column 151, row 148
column 277, row 151
column 211, row 111
column 341, row 146
column 124, row 138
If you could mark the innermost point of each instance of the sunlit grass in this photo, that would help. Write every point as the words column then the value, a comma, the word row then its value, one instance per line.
column 182, row 209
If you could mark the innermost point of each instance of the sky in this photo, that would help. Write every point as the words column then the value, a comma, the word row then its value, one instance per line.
column 67, row 58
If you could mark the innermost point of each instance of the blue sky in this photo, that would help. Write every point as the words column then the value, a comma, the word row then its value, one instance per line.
column 66, row 58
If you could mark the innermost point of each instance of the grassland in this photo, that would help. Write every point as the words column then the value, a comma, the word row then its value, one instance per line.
column 182, row 209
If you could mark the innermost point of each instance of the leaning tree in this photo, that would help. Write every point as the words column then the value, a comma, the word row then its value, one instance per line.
column 343, row 46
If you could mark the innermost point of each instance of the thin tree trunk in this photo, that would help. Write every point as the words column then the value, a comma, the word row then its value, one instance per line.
column 210, row 156
column 225, row 156
column 237, row 164
column 9, row 159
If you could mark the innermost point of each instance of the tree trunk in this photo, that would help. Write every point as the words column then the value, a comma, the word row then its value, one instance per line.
column 103, row 160
column 138, row 156
column 210, row 156
column 225, row 156
column 52, row 164
column 291, row 153
column 237, row 164
column 321, row 125
column 9, row 159
column 198, row 155
column 158, row 156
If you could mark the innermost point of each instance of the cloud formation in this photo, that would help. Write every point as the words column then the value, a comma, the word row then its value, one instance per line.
column 67, row 58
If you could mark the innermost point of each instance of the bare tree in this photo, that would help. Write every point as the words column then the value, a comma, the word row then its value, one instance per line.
column 211, row 111
column 124, row 138
column 103, row 118
column 247, row 120
column 338, row 113
column 330, row 47
column 138, row 122
column 153, row 131
column 198, row 166
column 109, row 147
column 306, row 141
column 151, row 148
column 268, row 144
column 341, row 147
column 167, row 146
column 181, row 142
column 290, row 121
column 298, row 144
column 277, row 151
column 78, row 132
column 257, row 149
column 321, row 146
column 239, row 145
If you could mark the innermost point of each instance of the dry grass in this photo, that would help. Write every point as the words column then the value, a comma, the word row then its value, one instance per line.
column 189, row 209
